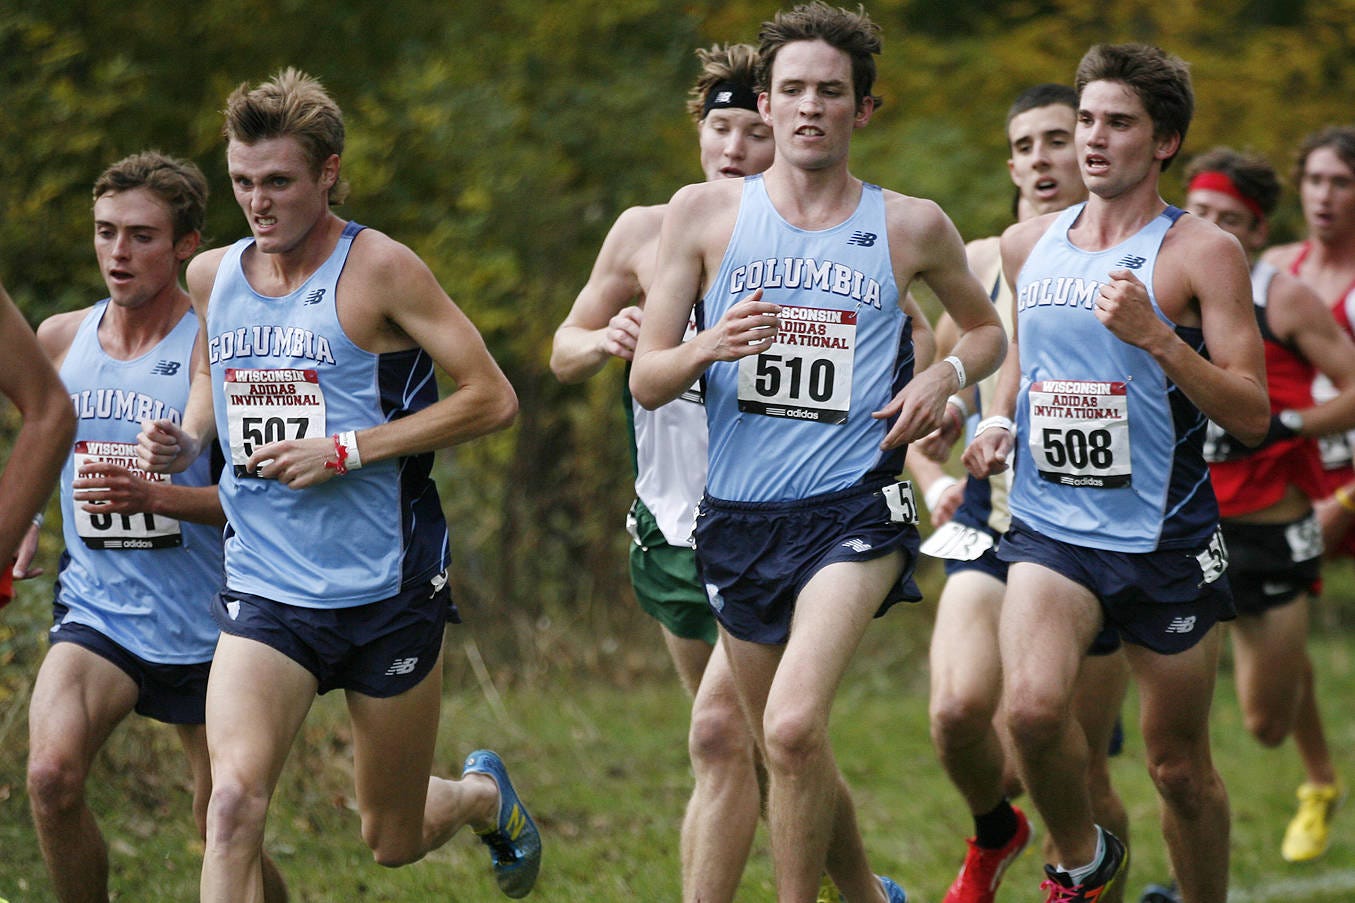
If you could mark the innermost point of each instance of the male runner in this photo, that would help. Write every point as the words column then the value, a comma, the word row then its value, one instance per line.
column 1113, row 518
column 804, row 534
column 133, row 629
column 1325, row 262
column 1273, row 537
column 966, row 676
column 670, row 455
column 318, row 381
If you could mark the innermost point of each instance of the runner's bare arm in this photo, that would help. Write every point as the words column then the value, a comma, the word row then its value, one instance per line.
column 104, row 488
column 665, row 366
column 605, row 319
column 988, row 452
column 1300, row 317
column 30, row 382
column 412, row 300
column 162, row 445
column 1205, row 263
column 922, row 236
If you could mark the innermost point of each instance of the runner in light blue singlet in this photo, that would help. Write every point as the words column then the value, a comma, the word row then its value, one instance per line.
column 346, row 542
column 144, row 581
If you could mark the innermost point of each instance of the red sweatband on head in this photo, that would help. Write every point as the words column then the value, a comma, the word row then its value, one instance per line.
column 1217, row 181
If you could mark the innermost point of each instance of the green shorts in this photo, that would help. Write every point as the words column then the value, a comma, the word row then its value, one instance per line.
column 665, row 581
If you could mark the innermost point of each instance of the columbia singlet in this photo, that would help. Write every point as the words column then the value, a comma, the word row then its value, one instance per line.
column 283, row 368
column 794, row 421
column 145, row 581
column 1110, row 449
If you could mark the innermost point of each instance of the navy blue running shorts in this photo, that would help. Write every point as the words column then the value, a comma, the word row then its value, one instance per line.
column 381, row 649
column 1161, row 600
column 174, row 694
column 755, row 557
column 1273, row 564
column 1105, row 643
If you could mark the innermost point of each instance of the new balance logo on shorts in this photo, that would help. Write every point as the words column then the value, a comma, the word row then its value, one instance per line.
column 864, row 239
column 1181, row 625
column 165, row 368
column 315, row 296
column 717, row 601
column 859, row 546
column 402, row 666
column 1131, row 261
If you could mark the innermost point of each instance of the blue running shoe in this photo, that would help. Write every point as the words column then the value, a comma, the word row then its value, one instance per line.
column 515, row 845
column 1160, row 893
column 893, row 893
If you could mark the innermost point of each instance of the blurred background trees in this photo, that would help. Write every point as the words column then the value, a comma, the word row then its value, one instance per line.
column 501, row 140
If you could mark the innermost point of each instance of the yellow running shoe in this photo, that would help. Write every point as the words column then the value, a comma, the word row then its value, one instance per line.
column 1309, row 831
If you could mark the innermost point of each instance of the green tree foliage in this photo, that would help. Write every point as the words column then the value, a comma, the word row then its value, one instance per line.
column 501, row 140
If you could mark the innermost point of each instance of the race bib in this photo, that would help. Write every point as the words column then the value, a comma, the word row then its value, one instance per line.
column 1079, row 432
column 1304, row 538
column 956, row 542
column 1214, row 559
column 806, row 371
column 121, row 531
column 902, row 505
column 1335, row 451
column 270, row 405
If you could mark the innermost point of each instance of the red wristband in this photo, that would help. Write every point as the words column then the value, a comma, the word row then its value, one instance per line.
column 339, row 466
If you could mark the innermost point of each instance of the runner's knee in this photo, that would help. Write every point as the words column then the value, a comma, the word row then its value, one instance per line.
column 235, row 813
column 392, row 845
column 959, row 721
column 56, row 783
column 719, row 737
column 793, row 739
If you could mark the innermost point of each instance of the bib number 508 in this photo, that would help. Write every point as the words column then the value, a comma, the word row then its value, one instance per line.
column 1077, row 449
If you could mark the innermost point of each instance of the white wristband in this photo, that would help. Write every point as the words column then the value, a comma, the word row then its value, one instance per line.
column 959, row 402
column 958, row 366
column 997, row 421
column 349, row 440
column 938, row 489
column 38, row 519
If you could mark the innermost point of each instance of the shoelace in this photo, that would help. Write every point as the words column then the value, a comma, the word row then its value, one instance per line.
column 1061, row 894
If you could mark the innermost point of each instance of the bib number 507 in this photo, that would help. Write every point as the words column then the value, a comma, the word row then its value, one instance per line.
column 257, row 431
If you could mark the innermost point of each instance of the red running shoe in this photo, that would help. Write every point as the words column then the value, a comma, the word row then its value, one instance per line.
column 982, row 870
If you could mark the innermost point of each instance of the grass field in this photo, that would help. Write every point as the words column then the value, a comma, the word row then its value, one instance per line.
column 600, row 758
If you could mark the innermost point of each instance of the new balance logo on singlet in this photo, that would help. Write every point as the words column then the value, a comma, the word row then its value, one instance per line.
column 1131, row 261
column 165, row 368
column 315, row 296
column 864, row 239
